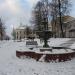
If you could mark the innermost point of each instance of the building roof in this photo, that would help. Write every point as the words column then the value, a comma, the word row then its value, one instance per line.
column 68, row 19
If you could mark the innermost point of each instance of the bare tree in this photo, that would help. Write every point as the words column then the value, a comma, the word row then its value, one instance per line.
column 2, row 30
column 59, row 8
column 37, row 13
column 41, row 14
column 53, row 10
column 28, row 31
column 42, row 19
column 13, row 34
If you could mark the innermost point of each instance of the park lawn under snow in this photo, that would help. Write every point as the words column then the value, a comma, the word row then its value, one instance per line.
column 11, row 65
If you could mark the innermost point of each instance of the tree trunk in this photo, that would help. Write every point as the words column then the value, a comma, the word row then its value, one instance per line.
column 60, row 20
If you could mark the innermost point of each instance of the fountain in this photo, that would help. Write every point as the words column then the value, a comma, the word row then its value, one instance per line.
column 47, row 52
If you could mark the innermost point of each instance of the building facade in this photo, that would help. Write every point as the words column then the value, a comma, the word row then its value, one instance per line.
column 23, row 32
column 20, row 33
column 68, row 26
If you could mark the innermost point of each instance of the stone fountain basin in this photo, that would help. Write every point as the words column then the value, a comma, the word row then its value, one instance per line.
column 54, row 55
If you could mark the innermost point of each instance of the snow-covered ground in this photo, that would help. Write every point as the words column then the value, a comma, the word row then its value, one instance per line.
column 11, row 65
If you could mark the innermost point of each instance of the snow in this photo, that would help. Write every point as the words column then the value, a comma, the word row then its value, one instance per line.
column 57, row 41
column 11, row 65
column 54, row 51
column 73, row 46
column 42, row 58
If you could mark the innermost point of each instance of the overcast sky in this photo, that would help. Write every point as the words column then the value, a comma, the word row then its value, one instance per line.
column 15, row 11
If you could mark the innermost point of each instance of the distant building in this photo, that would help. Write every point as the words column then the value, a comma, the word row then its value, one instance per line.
column 23, row 32
column 71, row 29
column 20, row 32
column 68, row 27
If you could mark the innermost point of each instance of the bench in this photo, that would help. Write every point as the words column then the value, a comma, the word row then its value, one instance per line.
column 31, row 44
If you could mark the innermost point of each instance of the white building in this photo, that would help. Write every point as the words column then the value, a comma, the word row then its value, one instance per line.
column 20, row 32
